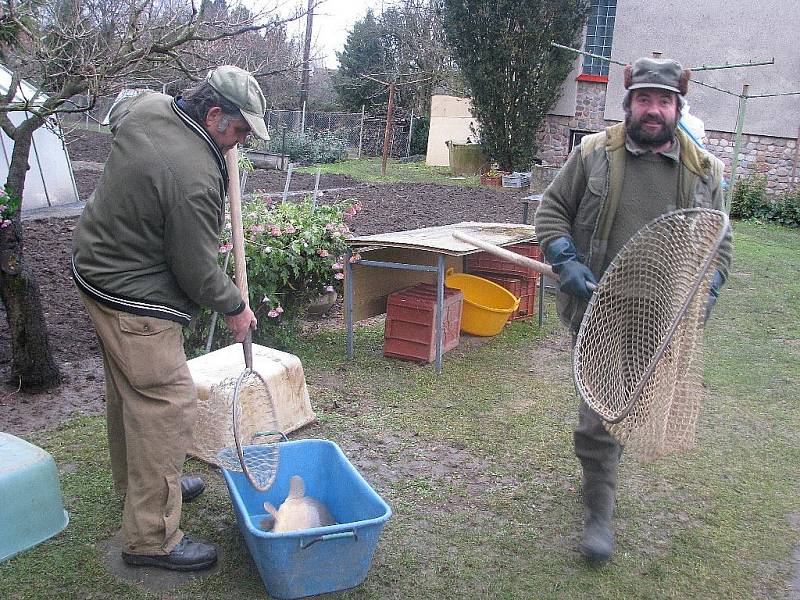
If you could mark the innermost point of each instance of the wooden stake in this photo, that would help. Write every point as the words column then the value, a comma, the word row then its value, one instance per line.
column 387, row 133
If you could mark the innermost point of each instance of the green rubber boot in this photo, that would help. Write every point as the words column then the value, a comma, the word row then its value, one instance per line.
column 597, row 545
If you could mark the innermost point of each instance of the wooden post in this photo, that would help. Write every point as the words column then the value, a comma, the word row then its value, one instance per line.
column 737, row 145
column 361, row 133
column 796, row 157
column 388, row 131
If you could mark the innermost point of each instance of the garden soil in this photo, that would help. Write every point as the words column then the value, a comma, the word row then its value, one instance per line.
column 387, row 207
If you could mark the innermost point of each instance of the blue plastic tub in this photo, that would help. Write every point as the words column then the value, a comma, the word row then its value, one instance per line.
column 31, row 508
column 320, row 560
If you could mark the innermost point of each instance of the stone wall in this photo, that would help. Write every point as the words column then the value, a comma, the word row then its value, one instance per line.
column 773, row 157
column 553, row 139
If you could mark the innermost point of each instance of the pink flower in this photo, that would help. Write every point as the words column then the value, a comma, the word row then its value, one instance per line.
column 273, row 313
column 344, row 228
column 279, row 310
column 256, row 229
column 337, row 266
column 331, row 227
column 225, row 248
column 289, row 228
column 275, row 231
column 329, row 288
column 5, row 223
column 322, row 252
column 355, row 258
column 339, row 276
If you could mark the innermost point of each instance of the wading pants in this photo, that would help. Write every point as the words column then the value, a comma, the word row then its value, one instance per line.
column 150, row 413
column 599, row 454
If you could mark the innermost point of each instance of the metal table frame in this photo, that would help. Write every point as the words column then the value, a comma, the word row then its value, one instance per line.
column 348, row 297
column 526, row 202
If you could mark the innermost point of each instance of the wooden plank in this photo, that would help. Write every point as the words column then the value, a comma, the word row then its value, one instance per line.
column 441, row 240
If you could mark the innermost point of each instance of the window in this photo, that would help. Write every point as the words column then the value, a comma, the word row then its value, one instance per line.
column 576, row 135
column 599, row 34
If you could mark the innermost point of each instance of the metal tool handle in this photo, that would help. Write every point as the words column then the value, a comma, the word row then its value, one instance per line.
column 518, row 259
column 237, row 232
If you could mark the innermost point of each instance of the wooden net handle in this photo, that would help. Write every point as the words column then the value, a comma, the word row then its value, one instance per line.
column 237, row 232
column 518, row 259
column 237, row 226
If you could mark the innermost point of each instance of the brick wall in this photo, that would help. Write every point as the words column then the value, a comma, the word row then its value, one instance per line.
column 770, row 156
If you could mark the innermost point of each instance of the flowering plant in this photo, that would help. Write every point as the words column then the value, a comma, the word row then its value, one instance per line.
column 9, row 206
column 294, row 252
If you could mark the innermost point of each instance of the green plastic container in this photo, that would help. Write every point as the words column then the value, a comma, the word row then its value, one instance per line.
column 467, row 159
column 31, row 509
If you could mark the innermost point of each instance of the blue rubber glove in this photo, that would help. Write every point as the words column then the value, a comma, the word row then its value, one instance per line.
column 713, row 292
column 572, row 273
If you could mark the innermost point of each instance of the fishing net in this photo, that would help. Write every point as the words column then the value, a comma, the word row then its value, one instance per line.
column 638, row 354
column 254, row 427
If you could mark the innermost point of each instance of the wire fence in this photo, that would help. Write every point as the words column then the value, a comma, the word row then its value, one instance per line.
column 363, row 133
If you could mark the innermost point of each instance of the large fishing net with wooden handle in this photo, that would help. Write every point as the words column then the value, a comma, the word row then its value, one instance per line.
column 638, row 354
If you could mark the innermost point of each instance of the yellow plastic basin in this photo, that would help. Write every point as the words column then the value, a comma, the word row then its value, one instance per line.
column 487, row 305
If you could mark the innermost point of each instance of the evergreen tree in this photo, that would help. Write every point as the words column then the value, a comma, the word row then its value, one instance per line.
column 503, row 50
column 365, row 53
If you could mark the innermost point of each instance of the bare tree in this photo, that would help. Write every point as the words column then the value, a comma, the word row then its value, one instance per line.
column 92, row 47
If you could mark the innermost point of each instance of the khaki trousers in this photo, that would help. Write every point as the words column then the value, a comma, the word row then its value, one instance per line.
column 150, row 412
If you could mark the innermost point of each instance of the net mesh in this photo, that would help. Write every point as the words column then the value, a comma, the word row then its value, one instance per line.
column 254, row 427
column 638, row 353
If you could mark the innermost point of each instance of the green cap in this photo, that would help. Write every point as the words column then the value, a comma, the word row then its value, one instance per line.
column 665, row 74
column 241, row 88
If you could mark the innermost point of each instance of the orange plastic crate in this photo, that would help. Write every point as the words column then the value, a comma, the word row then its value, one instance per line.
column 410, row 329
column 522, row 287
column 486, row 262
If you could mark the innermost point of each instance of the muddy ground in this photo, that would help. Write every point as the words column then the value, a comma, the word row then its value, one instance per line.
column 391, row 207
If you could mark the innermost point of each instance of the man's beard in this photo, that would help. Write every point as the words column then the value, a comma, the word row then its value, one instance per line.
column 644, row 137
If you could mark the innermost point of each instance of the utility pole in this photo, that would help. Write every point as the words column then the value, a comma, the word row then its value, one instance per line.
column 306, row 55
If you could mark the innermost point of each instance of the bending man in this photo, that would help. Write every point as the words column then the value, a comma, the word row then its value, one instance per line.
column 145, row 260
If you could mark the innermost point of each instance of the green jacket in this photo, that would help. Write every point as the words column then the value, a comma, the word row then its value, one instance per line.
column 147, row 240
column 582, row 201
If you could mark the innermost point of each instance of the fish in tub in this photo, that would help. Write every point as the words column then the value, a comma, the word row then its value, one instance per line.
column 297, row 512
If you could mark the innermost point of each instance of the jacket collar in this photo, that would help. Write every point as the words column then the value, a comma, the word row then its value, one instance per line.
column 693, row 158
column 195, row 126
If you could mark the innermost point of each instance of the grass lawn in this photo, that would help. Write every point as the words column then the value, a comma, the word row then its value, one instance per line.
column 369, row 169
column 477, row 466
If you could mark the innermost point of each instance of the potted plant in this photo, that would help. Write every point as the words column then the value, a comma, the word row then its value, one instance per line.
column 492, row 177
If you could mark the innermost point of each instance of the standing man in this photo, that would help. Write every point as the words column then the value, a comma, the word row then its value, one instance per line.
column 145, row 260
column 614, row 183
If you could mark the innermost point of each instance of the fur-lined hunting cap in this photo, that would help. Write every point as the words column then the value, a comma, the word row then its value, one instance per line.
column 662, row 73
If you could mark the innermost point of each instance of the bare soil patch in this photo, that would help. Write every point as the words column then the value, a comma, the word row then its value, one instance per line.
column 387, row 207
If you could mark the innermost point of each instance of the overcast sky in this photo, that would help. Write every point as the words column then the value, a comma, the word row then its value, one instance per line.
column 333, row 20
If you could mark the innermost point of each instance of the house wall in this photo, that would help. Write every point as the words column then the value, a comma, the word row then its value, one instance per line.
column 773, row 157
column 714, row 32
column 451, row 119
